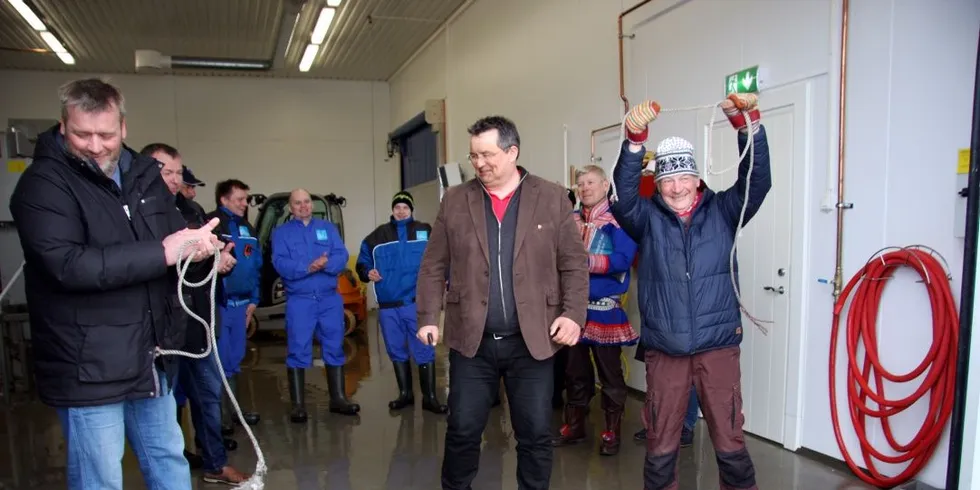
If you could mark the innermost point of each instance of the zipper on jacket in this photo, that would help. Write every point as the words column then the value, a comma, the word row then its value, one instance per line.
column 685, row 233
column 500, row 271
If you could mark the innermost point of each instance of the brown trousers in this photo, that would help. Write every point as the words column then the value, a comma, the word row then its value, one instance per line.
column 580, row 378
column 717, row 377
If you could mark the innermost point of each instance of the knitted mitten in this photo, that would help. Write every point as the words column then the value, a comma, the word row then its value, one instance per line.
column 736, row 104
column 637, row 120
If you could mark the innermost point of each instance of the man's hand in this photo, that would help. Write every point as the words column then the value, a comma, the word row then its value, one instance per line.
column 248, row 314
column 637, row 120
column 737, row 104
column 226, row 261
column 427, row 331
column 374, row 275
column 203, row 247
column 565, row 331
column 318, row 264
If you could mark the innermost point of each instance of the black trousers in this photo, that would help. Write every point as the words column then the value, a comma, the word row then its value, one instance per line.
column 472, row 387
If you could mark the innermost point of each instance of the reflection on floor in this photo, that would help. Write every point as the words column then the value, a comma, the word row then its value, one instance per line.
column 381, row 450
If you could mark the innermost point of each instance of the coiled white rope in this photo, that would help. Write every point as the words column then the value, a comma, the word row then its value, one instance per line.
column 257, row 480
column 750, row 149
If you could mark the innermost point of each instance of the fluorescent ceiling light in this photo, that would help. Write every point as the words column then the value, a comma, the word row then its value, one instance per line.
column 308, row 56
column 53, row 42
column 333, row 3
column 66, row 58
column 322, row 25
column 28, row 14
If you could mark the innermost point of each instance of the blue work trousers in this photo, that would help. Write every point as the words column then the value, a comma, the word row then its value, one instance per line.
column 400, row 328
column 95, row 439
column 231, row 343
column 309, row 315
column 199, row 380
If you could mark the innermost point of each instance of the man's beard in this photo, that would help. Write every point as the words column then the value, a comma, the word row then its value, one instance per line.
column 110, row 167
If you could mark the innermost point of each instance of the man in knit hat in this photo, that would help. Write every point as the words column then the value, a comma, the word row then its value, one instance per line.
column 691, row 319
column 390, row 258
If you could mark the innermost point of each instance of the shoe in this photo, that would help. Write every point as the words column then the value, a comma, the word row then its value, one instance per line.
column 195, row 461
column 228, row 476
column 640, row 436
column 427, row 381
column 611, row 436
column 573, row 431
column 338, row 393
column 687, row 437
column 250, row 418
column 230, row 444
column 227, row 429
column 297, row 393
column 403, row 375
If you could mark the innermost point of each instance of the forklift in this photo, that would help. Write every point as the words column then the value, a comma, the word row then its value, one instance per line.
column 273, row 210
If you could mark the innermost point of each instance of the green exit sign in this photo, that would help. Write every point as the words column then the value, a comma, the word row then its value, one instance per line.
column 743, row 82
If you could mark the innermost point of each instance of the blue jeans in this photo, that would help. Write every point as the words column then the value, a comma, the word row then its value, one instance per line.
column 400, row 329
column 96, row 438
column 691, row 417
column 200, row 381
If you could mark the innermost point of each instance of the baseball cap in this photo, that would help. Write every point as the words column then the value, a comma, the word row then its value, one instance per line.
column 190, row 179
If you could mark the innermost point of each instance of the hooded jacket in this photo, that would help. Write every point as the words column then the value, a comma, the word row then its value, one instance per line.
column 100, row 295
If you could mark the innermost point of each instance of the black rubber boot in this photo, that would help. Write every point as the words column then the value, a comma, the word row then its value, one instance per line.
column 403, row 375
column 427, row 382
column 297, row 393
column 250, row 418
column 338, row 392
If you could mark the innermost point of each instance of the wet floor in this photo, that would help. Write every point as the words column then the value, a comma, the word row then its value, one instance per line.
column 382, row 450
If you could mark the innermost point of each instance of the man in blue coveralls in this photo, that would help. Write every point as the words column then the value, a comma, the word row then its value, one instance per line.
column 390, row 258
column 309, row 254
column 241, row 286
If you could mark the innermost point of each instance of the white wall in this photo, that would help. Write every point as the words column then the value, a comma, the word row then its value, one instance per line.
column 910, row 93
column 274, row 134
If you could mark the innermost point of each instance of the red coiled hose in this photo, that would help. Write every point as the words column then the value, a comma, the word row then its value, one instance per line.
column 868, row 285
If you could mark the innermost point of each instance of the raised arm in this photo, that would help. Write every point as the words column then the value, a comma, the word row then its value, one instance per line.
column 573, row 267
column 631, row 211
column 431, row 285
column 759, row 181
column 52, row 235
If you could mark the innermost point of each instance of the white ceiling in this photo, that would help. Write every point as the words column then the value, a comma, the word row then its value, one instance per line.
column 368, row 39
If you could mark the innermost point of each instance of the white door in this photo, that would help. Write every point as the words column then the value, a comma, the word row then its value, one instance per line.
column 765, row 253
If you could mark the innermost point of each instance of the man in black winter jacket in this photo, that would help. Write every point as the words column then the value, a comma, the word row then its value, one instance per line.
column 199, row 380
column 101, row 235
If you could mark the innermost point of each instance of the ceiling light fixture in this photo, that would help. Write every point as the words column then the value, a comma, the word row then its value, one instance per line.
column 49, row 38
column 322, row 25
column 308, row 56
column 333, row 3
column 28, row 14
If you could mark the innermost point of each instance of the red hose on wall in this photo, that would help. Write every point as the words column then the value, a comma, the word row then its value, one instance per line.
column 868, row 285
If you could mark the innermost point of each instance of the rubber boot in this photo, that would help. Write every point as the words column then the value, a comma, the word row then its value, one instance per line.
column 573, row 431
column 611, row 436
column 427, row 381
column 338, row 392
column 297, row 393
column 250, row 418
column 403, row 375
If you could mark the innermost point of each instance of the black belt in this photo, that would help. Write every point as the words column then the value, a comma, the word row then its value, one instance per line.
column 395, row 304
column 498, row 336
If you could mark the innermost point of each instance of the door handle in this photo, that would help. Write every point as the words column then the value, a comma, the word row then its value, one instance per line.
column 780, row 289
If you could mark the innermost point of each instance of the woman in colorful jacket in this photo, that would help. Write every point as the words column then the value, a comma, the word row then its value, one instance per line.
column 607, row 327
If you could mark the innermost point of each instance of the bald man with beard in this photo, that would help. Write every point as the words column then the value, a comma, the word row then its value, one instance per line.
column 309, row 254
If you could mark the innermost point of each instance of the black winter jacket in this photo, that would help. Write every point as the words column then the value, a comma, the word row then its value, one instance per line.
column 100, row 295
column 200, row 302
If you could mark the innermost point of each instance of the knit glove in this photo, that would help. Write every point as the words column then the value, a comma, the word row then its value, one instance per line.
column 733, row 107
column 637, row 120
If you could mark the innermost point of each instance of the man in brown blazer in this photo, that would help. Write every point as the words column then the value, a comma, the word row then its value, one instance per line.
column 517, row 292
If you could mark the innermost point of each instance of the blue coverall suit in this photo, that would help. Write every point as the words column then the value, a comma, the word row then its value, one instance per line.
column 395, row 249
column 241, row 288
column 312, row 300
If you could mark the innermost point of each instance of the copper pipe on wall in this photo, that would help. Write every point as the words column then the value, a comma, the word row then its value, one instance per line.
column 622, row 81
column 592, row 138
column 841, row 205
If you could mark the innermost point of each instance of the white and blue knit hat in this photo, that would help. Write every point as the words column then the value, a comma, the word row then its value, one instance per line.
column 675, row 156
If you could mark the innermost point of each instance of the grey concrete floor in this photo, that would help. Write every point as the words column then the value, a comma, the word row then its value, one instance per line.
column 382, row 450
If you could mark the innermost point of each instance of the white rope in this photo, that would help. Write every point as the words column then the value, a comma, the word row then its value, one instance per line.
column 257, row 480
column 11, row 282
column 750, row 149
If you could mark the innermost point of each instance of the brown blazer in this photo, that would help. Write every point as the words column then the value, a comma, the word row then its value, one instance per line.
column 551, row 267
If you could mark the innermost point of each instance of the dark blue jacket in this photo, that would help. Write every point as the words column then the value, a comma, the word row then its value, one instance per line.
column 295, row 246
column 395, row 249
column 244, row 281
column 686, row 299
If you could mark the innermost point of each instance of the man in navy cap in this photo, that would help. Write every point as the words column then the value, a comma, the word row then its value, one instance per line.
column 189, row 190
